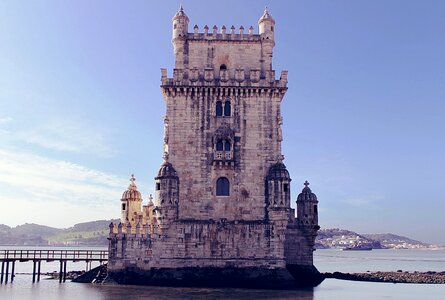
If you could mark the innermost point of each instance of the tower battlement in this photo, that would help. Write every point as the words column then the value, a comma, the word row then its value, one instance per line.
column 222, row 34
column 210, row 77
column 223, row 50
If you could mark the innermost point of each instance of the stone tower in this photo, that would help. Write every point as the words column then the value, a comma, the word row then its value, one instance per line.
column 223, row 122
column 221, row 214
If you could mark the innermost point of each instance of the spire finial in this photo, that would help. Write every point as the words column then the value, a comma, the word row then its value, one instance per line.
column 306, row 183
column 132, row 185
column 165, row 156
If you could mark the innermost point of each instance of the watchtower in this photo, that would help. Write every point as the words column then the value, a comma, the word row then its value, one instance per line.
column 223, row 122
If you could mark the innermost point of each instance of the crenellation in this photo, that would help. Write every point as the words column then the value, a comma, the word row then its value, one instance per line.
column 214, row 78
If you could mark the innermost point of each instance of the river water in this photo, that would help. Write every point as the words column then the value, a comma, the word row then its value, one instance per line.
column 325, row 260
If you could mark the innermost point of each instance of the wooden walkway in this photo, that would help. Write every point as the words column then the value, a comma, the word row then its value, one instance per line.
column 10, row 257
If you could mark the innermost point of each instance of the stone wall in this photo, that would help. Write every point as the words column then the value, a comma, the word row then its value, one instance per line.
column 199, row 244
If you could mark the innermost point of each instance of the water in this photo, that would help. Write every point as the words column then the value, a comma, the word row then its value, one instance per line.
column 325, row 260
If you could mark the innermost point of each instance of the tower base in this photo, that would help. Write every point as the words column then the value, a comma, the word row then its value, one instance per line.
column 293, row 277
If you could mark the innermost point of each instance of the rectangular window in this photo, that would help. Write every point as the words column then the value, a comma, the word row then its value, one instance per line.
column 123, row 206
column 285, row 187
column 315, row 209
column 158, row 186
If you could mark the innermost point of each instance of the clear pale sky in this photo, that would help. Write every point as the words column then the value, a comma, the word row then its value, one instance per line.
column 364, row 116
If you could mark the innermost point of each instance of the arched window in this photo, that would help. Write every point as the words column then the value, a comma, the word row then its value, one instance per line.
column 219, row 109
column 223, row 145
column 226, row 145
column 223, row 67
column 222, row 186
column 219, row 145
column 227, row 109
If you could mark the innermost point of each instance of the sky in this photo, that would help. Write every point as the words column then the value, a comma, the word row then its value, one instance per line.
column 364, row 115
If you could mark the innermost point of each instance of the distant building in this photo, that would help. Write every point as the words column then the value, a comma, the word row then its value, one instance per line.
column 221, row 215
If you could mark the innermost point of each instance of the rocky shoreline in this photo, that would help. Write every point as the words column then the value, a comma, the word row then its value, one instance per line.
column 400, row 276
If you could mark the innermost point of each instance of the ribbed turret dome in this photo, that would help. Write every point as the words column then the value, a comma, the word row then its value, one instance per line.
column 167, row 170
column 180, row 14
column 266, row 16
column 132, row 192
column 278, row 171
column 306, row 194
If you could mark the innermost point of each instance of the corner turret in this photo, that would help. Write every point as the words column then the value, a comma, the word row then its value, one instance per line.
column 307, row 207
column 131, row 203
column 179, row 38
column 278, row 191
column 166, row 194
column 266, row 27
column 180, row 24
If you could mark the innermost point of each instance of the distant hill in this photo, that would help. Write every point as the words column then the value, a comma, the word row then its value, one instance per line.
column 390, row 240
column 92, row 226
column 340, row 238
column 95, row 233
column 83, row 234
column 35, row 230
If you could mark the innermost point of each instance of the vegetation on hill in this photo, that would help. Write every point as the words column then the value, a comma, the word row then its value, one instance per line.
column 83, row 234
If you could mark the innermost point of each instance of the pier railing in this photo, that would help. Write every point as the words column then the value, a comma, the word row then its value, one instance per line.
column 51, row 255
column 8, row 257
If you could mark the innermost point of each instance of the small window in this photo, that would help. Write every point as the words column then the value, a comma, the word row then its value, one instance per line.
column 158, row 186
column 227, row 109
column 223, row 145
column 123, row 206
column 315, row 209
column 219, row 109
column 219, row 146
column 223, row 67
column 285, row 187
column 222, row 186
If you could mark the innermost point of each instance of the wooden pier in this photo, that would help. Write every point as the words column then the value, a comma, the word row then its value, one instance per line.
column 9, row 258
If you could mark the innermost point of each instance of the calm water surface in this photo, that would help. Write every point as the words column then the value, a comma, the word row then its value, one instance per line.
column 325, row 260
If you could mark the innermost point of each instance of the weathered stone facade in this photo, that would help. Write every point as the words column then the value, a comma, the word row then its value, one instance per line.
column 221, row 213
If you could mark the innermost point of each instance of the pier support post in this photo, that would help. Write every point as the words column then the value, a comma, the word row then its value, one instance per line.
column 38, row 270
column 3, row 270
column 12, row 271
column 7, row 272
column 34, row 271
column 60, row 271
column 64, row 271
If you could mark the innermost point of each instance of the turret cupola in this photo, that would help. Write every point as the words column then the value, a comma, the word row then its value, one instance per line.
column 307, row 209
column 131, row 202
column 132, row 193
column 166, row 194
column 266, row 26
column 278, row 190
column 278, row 171
column 180, row 24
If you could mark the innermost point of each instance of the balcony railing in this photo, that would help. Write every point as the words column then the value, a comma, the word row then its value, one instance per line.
column 223, row 155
